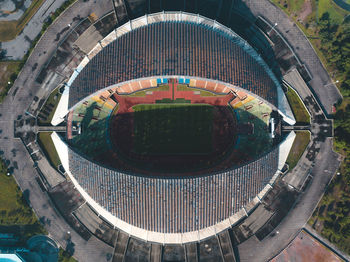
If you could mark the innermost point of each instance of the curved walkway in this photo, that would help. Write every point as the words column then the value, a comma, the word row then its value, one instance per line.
column 326, row 162
column 22, row 93
column 326, row 165
column 18, row 47
column 321, row 84
column 16, row 103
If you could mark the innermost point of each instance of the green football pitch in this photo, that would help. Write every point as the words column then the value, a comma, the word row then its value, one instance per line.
column 170, row 129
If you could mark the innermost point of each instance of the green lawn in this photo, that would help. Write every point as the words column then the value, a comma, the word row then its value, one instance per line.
column 331, row 217
column 330, row 37
column 50, row 106
column 15, row 214
column 13, row 208
column 290, row 6
column 296, row 5
column 64, row 257
column 335, row 12
column 162, row 87
column 93, row 139
column 301, row 141
column 173, row 128
column 46, row 143
column 8, row 72
column 298, row 108
column 10, row 29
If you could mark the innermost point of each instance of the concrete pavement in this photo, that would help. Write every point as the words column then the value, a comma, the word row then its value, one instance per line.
column 26, row 89
column 321, row 84
column 19, row 46
column 20, row 97
column 319, row 152
column 327, row 162
column 325, row 242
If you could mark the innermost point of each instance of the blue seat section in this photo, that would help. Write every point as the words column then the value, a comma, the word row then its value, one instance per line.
column 165, row 80
column 180, row 48
column 187, row 81
column 181, row 81
column 173, row 205
column 159, row 80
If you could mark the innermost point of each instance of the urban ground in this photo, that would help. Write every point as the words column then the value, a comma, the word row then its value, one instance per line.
column 327, row 27
column 10, row 29
column 337, row 192
column 17, row 217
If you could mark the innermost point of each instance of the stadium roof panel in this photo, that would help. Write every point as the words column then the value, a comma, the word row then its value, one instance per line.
column 165, row 45
column 175, row 210
column 174, row 44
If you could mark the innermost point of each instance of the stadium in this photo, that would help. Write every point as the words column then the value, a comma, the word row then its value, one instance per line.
column 174, row 128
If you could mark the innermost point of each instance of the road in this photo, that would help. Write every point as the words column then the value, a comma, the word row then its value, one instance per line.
column 16, row 103
column 18, row 47
column 326, row 92
column 25, row 88
column 325, row 166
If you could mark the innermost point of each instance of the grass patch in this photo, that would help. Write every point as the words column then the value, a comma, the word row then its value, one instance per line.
column 8, row 73
column 21, row 63
column 46, row 143
column 162, row 87
column 336, row 13
column 10, row 29
column 15, row 214
column 329, row 32
column 63, row 256
column 296, row 5
column 207, row 93
column 300, row 143
column 183, row 87
column 331, row 216
column 13, row 206
column 298, row 108
column 173, row 128
column 49, row 108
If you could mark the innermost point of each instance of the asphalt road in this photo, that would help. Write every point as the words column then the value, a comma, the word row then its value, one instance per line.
column 22, row 93
column 16, row 103
column 321, row 84
column 326, row 162
column 326, row 165
column 18, row 47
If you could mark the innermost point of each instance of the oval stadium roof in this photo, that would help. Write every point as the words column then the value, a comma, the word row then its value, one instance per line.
column 169, row 45
column 176, row 209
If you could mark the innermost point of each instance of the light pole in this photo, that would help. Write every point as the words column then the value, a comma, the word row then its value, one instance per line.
column 72, row 28
column 332, row 83
column 272, row 28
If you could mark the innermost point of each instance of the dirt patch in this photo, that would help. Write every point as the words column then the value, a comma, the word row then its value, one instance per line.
column 306, row 248
column 305, row 11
